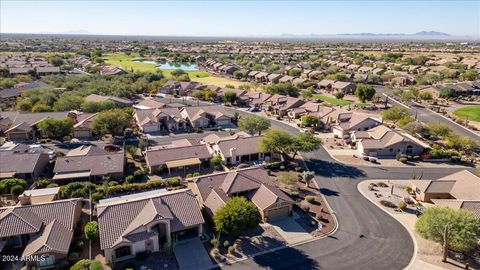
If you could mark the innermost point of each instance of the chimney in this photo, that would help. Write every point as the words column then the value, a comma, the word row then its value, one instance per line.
column 233, row 155
column 25, row 199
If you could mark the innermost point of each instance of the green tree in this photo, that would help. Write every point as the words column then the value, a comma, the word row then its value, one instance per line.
column 93, row 107
column 309, row 120
column 210, row 95
column 394, row 114
column 91, row 230
column 40, row 107
column 111, row 122
column 307, row 93
column 87, row 265
column 198, row 94
column 254, row 124
column 365, row 92
column 339, row 95
column 230, row 97
column 469, row 75
column 68, row 103
column 6, row 185
column 438, row 129
column 295, row 72
column 56, row 61
column 286, row 89
column 56, row 128
column 25, row 105
column 281, row 142
column 463, row 227
column 216, row 160
column 236, row 216
column 446, row 92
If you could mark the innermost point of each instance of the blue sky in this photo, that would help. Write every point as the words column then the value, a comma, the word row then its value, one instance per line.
column 240, row 18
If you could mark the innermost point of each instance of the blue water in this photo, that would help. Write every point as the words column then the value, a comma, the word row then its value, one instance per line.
column 171, row 65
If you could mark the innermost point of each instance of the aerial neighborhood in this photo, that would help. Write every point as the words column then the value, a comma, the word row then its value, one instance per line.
column 151, row 153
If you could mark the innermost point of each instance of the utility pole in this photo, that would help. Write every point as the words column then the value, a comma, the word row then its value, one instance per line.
column 445, row 243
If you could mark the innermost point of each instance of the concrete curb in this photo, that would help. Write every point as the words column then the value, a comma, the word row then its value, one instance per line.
column 415, row 245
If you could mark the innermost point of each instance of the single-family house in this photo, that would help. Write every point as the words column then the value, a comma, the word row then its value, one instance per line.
column 384, row 142
column 22, row 163
column 147, row 222
column 207, row 116
column 253, row 183
column 89, row 163
column 43, row 230
column 159, row 120
column 180, row 159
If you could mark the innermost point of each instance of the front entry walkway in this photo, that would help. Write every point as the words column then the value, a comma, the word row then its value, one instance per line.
column 290, row 230
column 191, row 254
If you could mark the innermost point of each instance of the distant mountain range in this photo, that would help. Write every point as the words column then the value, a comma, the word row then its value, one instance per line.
column 421, row 34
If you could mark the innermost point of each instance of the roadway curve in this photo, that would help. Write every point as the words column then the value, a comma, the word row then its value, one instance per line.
column 386, row 243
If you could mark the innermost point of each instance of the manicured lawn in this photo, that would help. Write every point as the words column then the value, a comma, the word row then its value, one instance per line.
column 470, row 112
column 127, row 62
column 332, row 100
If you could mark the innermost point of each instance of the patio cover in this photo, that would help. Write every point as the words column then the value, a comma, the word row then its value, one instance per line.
column 59, row 176
column 7, row 174
column 183, row 162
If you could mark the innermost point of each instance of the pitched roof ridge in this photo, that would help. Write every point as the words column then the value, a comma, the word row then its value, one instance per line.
column 24, row 220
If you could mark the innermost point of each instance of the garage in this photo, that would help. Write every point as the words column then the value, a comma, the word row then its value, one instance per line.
column 223, row 122
column 277, row 213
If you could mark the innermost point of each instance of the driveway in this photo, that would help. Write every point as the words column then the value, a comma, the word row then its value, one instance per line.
column 191, row 255
column 290, row 230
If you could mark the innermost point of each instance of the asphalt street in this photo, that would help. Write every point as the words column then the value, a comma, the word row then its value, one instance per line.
column 367, row 237
column 426, row 116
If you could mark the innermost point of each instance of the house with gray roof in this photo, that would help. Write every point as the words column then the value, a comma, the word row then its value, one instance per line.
column 239, row 148
column 44, row 229
column 178, row 158
column 160, row 119
column 147, row 222
column 253, row 183
column 89, row 163
column 22, row 163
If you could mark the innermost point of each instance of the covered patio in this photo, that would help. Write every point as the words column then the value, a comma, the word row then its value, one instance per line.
column 185, row 164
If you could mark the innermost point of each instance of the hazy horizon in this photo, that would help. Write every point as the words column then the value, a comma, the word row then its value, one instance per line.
column 240, row 18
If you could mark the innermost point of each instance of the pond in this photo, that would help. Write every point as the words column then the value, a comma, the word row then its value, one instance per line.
column 170, row 65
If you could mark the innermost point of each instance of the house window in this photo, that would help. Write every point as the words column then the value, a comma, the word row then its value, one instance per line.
column 409, row 149
column 122, row 252
column 391, row 149
column 47, row 260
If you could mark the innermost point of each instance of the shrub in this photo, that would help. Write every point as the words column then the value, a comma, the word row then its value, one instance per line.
column 173, row 182
column 139, row 174
column 402, row 205
column 295, row 193
column 189, row 175
column 16, row 190
column 231, row 249
column 196, row 174
column 129, row 179
column 310, row 199
column 408, row 189
column 215, row 252
column 381, row 184
column 79, row 245
column 198, row 130
column 226, row 244
column 91, row 230
column 388, row 204
column 298, row 169
column 215, row 241
column 73, row 257
column 403, row 159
